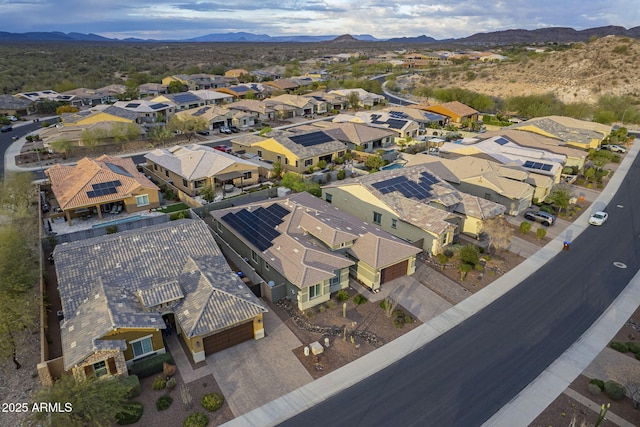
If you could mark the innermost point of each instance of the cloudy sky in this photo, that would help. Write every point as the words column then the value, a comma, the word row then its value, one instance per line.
column 181, row 19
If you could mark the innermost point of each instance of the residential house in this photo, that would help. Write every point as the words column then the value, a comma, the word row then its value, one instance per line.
column 119, row 292
column 284, row 85
column 455, row 110
column 575, row 157
column 568, row 131
column 239, row 91
column 296, row 152
column 182, row 100
column 236, row 72
column 261, row 90
column 544, row 167
column 99, row 113
column 86, row 97
column 76, row 135
column 294, row 105
column 212, row 97
column 305, row 249
column 196, row 81
column 190, row 168
column 413, row 204
column 39, row 95
column 260, row 111
column 401, row 125
column 424, row 119
column 112, row 93
column 146, row 111
column 151, row 89
column 99, row 186
column 215, row 116
column 13, row 106
column 367, row 99
column 331, row 101
column 359, row 137
column 482, row 178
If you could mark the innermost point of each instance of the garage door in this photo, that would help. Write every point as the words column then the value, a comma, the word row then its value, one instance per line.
column 394, row 271
column 229, row 338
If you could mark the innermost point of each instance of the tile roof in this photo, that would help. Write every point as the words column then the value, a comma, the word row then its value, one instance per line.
column 534, row 140
column 566, row 129
column 301, row 251
column 355, row 133
column 284, row 138
column 194, row 162
column 9, row 102
column 99, row 109
column 72, row 185
column 110, row 282
column 459, row 108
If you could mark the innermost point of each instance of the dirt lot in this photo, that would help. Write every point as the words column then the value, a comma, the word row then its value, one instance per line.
column 367, row 324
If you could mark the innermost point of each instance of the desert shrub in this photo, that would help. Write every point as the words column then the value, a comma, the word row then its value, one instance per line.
column 163, row 402
column 197, row 419
column 322, row 308
column 342, row 174
column 633, row 347
column 330, row 304
column 150, row 366
column 619, row 346
column 594, row 389
column 359, row 299
column 384, row 304
column 540, row 233
column 469, row 255
column 171, row 383
column 132, row 383
column 212, row 401
column 400, row 318
column 342, row 295
column 178, row 215
column 131, row 413
column 168, row 370
column 525, row 227
column 112, row 229
column 598, row 383
column 159, row 383
column 614, row 390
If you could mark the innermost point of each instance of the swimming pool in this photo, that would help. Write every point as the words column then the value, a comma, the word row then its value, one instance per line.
column 392, row 166
column 117, row 221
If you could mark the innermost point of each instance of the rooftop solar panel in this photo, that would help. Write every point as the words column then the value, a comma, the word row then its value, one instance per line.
column 132, row 105
column 185, row 97
column 396, row 123
column 311, row 139
column 258, row 226
column 279, row 210
column 159, row 106
column 119, row 170
column 501, row 141
column 528, row 164
column 547, row 167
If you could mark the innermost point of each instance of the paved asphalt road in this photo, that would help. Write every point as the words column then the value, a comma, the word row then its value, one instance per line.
column 6, row 139
column 466, row 375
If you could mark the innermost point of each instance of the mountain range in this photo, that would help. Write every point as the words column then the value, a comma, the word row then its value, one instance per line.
column 541, row 35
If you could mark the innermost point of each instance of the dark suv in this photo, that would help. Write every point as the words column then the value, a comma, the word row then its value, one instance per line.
column 544, row 218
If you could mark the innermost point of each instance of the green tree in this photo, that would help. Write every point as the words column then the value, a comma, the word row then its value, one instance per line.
column 560, row 197
column 17, row 314
column 17, row 195
column 464, row 268
column 374, row 163
column 589, row 173
column 293, row 181
column 93, row 402
column 159, row 134
column 276, row 170
column 208, row 193
column 187, row 125
column 176, row 87
column 469, row 255
column 62, row 145
column 47, row 107
column 498, row 231
column 354, row 100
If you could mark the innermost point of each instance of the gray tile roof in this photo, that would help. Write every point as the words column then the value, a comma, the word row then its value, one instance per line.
column 9, row 102
column 110, row 282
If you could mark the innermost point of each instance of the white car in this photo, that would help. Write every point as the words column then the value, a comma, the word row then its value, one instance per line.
column 615, row 148
column 598, row 218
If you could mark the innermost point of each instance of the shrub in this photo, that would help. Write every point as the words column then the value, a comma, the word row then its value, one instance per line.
column 178, row 215
column 163, row 402
column 525, row 227
column 197, row 419
column 540, row 233
column 598, row 383
column 150, row 366
column 359, row 299
column 212, row 401
column 159, row 383
column 131, row 413
column 342, row 295
column 171, row 383
column 633, row 347
column 594, row 389
column 469, row 255
column 112, row 229
column 384, row 304
column 614, row 390
column 132, row 383
column 619, row 346
column 322, row 308
column 342, row 174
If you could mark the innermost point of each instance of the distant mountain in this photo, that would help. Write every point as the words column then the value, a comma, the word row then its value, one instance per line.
column 518, row 36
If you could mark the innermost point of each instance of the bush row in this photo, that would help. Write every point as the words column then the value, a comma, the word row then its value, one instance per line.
column 150, row 366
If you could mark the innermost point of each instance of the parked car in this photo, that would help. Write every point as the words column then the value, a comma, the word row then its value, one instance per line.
column 225, row 129
column 12, row 118
column 234, row 129
column 598, row 218
column 223, row 148
column 6, row 129
column 203, row 132
column 544, row 218
column 614, row 148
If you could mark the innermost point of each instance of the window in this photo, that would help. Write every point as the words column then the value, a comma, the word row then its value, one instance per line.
column 185, row 183
column 166, row 172
column 246, row 175
column 340, row 153
column 279, row 159
column 100, row 369
column 335, row 280
column 142, row 200
column 219, row 225
column 296, row 163
column 286, row 161
column 142, row 347
column 254, row 256
column 394, row 223
column 308, row 162
column 328, row 197
column 377, row 218
column 259, row 153
column 155, row 167
column 314, row 291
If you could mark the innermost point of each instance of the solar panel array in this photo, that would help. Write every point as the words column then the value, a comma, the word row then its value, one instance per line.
column 201, row 111
column 393, row 122
column 311, row 139
column 501, row 141
column 118, row 169
column 398, row 115
column 258, row 226
column 132, row 105
column 158, row 106
column 420, row 190
column 185, row 97
column 396, row 123
column 104, row 188
column 535, row 165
